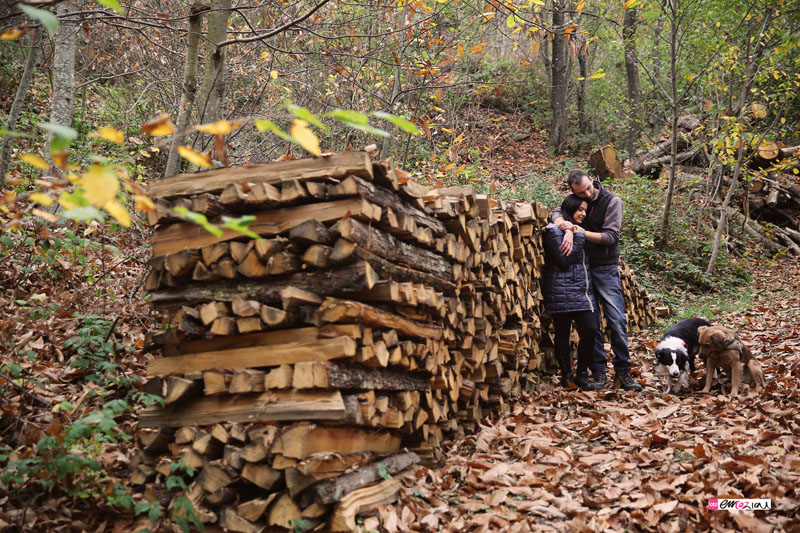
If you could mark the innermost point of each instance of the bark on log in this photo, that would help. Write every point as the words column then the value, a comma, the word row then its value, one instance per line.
column 332, row 490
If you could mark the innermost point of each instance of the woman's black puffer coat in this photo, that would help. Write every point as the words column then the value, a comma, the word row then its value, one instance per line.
column 566, row 283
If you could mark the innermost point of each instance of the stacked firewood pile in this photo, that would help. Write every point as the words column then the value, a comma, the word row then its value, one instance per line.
column 306, row 372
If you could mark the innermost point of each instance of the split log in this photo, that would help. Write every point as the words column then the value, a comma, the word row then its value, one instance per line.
column 349, row 278
column 325, row 375
column 259, row 356
column 331, row 491
column 273, row 405
column 302, row 440
column 363, row 499
column 214, row 181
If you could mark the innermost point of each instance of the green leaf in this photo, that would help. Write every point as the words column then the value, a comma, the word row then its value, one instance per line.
column 240, row 224
column 200, row 219
column 267, row 125
column 510, row 21
column 304, row 114
column 348, row 116
column 47, row 18
column 370, row 129
column 113, row 4
column 8, row 133
column 402, row 123
column 62, row 135
column 84, row 214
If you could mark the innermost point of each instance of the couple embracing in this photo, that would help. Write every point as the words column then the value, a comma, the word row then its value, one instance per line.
column 581, row 270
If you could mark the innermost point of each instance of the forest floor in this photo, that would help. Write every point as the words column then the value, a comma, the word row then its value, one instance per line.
column 560, row 460
column 612, row 460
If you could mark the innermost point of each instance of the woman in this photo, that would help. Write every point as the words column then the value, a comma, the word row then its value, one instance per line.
column 568, row 294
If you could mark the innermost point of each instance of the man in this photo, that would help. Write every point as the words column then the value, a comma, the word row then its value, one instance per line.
column 602, row 225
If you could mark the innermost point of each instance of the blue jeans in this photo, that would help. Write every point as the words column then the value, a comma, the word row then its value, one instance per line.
column 608, row 291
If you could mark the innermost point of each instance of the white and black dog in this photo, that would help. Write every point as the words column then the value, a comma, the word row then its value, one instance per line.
column 675, row 354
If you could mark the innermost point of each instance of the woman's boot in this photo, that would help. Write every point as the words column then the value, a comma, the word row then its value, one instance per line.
column 566, row 370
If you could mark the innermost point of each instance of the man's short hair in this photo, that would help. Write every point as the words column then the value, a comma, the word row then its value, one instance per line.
column 575, row 177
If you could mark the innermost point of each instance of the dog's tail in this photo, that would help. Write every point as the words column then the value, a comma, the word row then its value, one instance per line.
column 753, row 367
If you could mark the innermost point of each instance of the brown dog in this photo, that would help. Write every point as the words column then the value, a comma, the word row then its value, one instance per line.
column 722, row 348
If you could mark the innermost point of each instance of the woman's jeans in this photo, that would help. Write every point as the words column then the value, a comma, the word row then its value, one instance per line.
column 608, row 291
column 586, row 323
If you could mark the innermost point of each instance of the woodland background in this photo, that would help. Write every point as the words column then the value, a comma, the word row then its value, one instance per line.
column 506, row 96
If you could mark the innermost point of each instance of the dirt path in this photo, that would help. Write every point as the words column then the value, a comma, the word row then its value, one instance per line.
column 576, row 461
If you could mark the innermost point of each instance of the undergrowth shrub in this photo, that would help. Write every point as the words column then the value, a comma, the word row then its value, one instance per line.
column 680, row 264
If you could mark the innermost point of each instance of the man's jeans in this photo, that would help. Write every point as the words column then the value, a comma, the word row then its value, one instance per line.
column 608, row 290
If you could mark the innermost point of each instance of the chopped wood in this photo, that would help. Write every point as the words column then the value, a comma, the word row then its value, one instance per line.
column 279, row 378
column 273, row 405
column 242, row 307
column 180, row 389
column 302, row 440
column 284, row 512
column 211, row 311
column 294, row 297
column 261, row 475
column 215, row 476
column 311, row 232
column 317, row 255
column 254, row 509
column 229, row 520
column 361, row 500
column 216, row 382
column 334, row 310
column 214, row 181
column 248, row 325
column 181, row 263
column 332, row 490
column 351, row 278
column 255, row 356
column 225, row 325
column 246, row 380
column 187, row 235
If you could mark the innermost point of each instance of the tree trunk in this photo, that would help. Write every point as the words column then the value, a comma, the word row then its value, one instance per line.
column 19, row 99
column 558, row 89
column 66, row 43
column 212, row 90
column 634, row 88
column 189, row 88
column 673, row 75
column 583, row 121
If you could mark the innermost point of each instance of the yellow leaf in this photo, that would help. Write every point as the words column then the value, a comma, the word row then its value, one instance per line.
column 448, row 167
column 100, row 185
column 201, row 160
column 580, row 6
column 66, row 204
column 460, row 49
column 12, row 34
column 597, row 76
column 265, row 54
column 36, row 161
column 110, row 134
column 41, row 198
column 489, row 15
column 159, row 126
column 630, row 3
column 220, row 127
column 144, row 203
column 273, row 74
column 538, row 2
column 304, row 136
column 45, row 215
column 59, row 158
column 536, row 45
column 118, row 211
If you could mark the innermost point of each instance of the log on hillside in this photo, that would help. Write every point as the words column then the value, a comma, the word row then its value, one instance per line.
column 605, row 163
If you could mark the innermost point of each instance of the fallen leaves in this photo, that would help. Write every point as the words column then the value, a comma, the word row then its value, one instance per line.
column 652, row 462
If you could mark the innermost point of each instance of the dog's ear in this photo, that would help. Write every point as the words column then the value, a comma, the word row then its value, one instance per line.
column 701, row 331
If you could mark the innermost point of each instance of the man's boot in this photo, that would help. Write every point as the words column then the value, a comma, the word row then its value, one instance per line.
column 626, row 381
column 600, row 378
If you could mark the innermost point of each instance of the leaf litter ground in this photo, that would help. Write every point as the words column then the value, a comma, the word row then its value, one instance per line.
column 612, row 460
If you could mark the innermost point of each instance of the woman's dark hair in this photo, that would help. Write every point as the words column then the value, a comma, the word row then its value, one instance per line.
column 569, row 205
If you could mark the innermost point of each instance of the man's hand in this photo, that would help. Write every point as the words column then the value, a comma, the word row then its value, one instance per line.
column 565, row 225
column 566, row 244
